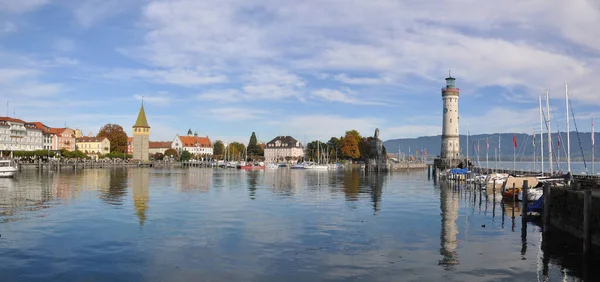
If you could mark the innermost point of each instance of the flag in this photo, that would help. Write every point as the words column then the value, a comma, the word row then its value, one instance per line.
column 534, row 139
column 498, row 142
column 477, row 146
column 487, row 144
column 559, row 140
column 515, row 140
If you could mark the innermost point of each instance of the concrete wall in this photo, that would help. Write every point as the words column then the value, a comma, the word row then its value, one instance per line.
column 566, row 212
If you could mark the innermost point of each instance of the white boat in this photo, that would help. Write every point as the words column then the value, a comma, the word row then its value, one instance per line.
column 272, row 165
column 533, row 194
column 317, row 167
column 8, row 168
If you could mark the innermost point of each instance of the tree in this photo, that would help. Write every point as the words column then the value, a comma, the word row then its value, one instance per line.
column 235, row 150
column 335, row 145
column 218, row 147
column 158, row 156
column 253, row 148
column 313, row 148
column 116, row 135
column 365, row 147
column 186, row 156
column 172, row 153
column 350, row 146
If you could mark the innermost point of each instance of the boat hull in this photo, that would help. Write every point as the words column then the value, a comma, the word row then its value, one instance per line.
column 8, row 173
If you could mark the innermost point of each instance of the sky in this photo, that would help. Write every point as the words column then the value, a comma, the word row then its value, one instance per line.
column 311, row 69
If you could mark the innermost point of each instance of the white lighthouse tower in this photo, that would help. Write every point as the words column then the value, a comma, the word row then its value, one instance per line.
column 450, row 153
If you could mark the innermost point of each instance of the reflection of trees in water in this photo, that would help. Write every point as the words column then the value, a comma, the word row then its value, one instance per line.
column 351, row 182
column 449, row 204
column 140, row 185
column 376, row 182
column 252, row 177
column 117, row 187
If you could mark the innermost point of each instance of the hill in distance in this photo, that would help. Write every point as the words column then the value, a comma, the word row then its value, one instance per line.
column 524, row 151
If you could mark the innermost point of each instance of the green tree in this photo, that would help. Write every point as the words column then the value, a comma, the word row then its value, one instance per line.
column 335, row 145
column 365, row 147
column 186, row 156
column 253, row 148
column 235, row 150
column 116, row 135
column 218, row 148
column 171, row 153
column 158, row 156
column 313, row 148
column 350, row 146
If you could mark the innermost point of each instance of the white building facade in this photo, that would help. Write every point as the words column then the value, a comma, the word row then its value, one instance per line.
column 283, row 148
column 18, row 135
column 198, row 146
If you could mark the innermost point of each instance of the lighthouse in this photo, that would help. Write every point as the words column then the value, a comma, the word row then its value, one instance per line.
column 450, row 142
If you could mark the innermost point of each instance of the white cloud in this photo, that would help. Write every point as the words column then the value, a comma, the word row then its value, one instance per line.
column 91, row 12
column 25, row 82
column 325, row 126
column 234, row 113
column 389, row 42
column 20, row 6
column 7, row 27
column 339, row 96
column 63, row 45
column 362, row 80
column 162, row 99
column 181, row 77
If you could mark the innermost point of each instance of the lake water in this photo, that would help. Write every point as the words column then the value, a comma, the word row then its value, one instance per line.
column 275, row 225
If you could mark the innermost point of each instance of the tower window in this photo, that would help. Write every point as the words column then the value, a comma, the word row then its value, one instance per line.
column 450, row 120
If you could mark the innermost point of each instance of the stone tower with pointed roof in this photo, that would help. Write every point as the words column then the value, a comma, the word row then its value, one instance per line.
column 141, row 137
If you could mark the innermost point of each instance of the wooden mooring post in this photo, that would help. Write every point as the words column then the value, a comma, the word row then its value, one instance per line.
column 524, row 217
column 546, row 208
column 513, row 204
column 587, row 214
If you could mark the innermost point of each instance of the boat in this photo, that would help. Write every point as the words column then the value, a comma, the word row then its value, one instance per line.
column 8, row 168
column 252, row 166
column 513, row 185
column 317, row 166
column 282, row 165
column 298, row 166
column 533, row 194
column 271, row 166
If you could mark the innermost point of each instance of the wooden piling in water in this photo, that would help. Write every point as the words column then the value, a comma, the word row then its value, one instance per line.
column 546, row 208
column 587, row 214
column 513, row 207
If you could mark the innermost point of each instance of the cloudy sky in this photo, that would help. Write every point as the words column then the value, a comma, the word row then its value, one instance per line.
column 308, row 68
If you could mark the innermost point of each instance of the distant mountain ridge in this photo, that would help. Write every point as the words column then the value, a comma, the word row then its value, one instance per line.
column 525, row 149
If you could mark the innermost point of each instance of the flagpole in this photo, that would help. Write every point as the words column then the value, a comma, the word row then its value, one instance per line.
column 487, row 152
column 568, row 130
column 467, row 145
column 515, row 153
column 549, row 133
column 534, row 153
column 541, row 136
column 593, row 147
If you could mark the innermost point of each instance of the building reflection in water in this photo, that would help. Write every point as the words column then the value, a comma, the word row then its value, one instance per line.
column 253, row 178
column 376, row 183
column 287, row 182
column 449, row 205
column 140, row 183
column 117, row 184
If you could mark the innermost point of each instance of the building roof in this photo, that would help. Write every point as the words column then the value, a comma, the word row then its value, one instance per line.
column 129, row 139
column 90, row 139
column 141, row 119
column 44, row 128
column 59, row 131
column 191, row 141
column 283, row 142
column 159, row 144
column 12, row 119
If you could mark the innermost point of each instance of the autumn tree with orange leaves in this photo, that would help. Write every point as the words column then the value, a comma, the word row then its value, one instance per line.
column 350, row 143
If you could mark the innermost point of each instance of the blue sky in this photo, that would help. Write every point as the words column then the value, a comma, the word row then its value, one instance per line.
column 307, row 68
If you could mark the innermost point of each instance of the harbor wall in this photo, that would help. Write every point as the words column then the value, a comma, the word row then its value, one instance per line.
column 566, row 212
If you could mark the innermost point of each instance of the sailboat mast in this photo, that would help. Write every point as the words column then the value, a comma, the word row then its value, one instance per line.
column 467, row 145
column 541, row 135
column 549, row 132
column 568, row 130
column 593, row 147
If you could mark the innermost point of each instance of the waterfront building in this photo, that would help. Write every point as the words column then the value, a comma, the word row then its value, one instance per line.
column 198, row 146
column 18, row 135
column 450, row 151
column 283, row 148
column 130, row 145
column 77, row 132
column 141, row 137
column 93, row 146
column 47, row 136
column 63, row 138
column 159, row 147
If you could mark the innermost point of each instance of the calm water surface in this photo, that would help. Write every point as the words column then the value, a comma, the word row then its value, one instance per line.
column 278, row 225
